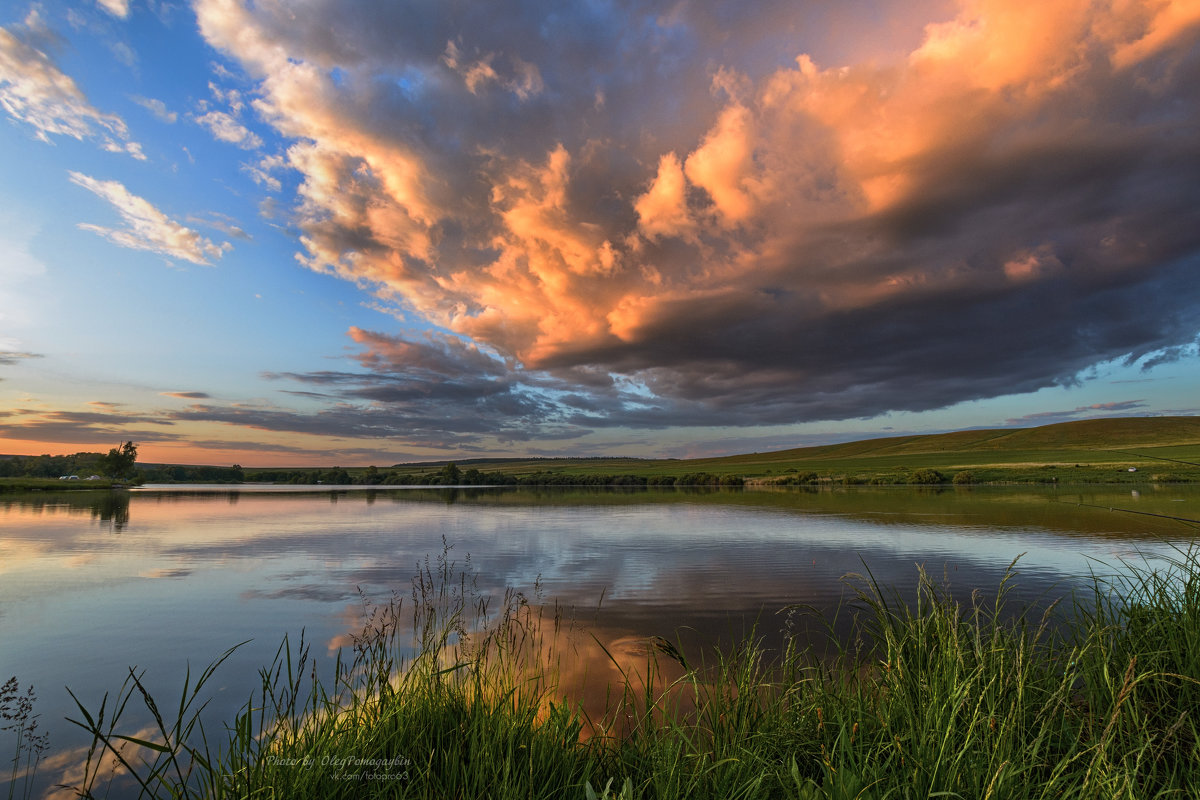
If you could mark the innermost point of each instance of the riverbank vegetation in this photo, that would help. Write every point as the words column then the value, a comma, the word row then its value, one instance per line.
column 446, row 694
column 52, row 484
column 70, row 472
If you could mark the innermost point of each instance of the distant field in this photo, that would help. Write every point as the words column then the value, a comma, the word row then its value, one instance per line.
column 1087, row 451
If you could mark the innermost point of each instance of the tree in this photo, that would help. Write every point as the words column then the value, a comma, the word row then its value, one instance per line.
column 450, row 474
column 118, row 464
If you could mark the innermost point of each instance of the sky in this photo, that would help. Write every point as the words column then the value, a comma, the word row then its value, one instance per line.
column 348, row 232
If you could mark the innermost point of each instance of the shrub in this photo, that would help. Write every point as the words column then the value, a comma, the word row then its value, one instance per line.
column 927, row 476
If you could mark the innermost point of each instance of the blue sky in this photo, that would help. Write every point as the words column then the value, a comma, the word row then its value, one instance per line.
column 339, row 232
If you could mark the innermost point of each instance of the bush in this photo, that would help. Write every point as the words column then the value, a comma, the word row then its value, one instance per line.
column 927, row 477
column 963, row 478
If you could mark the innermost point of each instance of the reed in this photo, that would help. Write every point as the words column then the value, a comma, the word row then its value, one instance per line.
column 443, row 695
column 17, row 717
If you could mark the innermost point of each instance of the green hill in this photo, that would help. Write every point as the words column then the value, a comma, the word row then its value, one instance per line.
column 1082, row 435
column 1081, row 451
column 1084, row 451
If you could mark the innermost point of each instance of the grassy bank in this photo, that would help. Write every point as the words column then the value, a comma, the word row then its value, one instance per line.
column 52, row 485
column 447, row 695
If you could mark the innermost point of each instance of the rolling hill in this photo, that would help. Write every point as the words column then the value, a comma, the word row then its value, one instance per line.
column 1096, row 450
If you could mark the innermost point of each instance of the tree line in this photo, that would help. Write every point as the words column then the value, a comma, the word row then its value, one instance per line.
column 117, row 464
column 452, row 475
column 177, row 473
column 80, row 464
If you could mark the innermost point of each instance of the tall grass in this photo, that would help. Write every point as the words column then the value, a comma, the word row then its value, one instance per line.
column 929, row 696
column 17, row 717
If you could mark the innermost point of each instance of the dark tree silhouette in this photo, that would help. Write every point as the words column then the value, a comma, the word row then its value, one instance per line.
column 118, row 464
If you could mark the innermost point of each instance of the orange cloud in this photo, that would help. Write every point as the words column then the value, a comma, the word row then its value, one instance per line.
column 1170, row 22
column 722, row 165
column 565, row 233
column 662, row 210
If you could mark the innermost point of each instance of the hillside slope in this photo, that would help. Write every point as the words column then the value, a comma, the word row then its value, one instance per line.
column 1090, row 434
column 1080, row 451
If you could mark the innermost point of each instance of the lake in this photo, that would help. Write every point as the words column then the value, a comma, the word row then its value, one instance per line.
column 165, row 577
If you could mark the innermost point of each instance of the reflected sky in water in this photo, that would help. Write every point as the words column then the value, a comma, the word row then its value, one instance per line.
column 93, row 583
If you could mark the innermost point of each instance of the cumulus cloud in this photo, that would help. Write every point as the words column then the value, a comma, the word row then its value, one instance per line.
column 727, row 240
column 147, row 228
column 263, row 172
column 34, row 91
column 523, row 78
column 158, row 108
column 225, row 125
column 663, row 210
column 225, row 128
column 118, row 8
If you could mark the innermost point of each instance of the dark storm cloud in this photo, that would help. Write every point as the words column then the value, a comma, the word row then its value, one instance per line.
column 419, row 392
column 436, row 392
column 658, row 214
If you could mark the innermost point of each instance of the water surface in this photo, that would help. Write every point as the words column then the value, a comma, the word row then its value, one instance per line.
column 160, row 578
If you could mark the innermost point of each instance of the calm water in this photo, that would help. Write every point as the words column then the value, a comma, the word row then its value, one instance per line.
column 91, row 584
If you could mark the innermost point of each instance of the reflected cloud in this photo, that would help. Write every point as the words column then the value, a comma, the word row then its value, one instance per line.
column 167, row 572
column 322, row 593
column 74, row 768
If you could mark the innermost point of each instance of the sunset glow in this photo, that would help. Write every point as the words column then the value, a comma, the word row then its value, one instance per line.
column 349, row 232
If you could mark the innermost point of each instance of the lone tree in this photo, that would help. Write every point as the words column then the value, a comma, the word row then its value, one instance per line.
column 118, row 464
column 450, row 474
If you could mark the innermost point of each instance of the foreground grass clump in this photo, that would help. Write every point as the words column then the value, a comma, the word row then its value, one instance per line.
column 929, row 697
